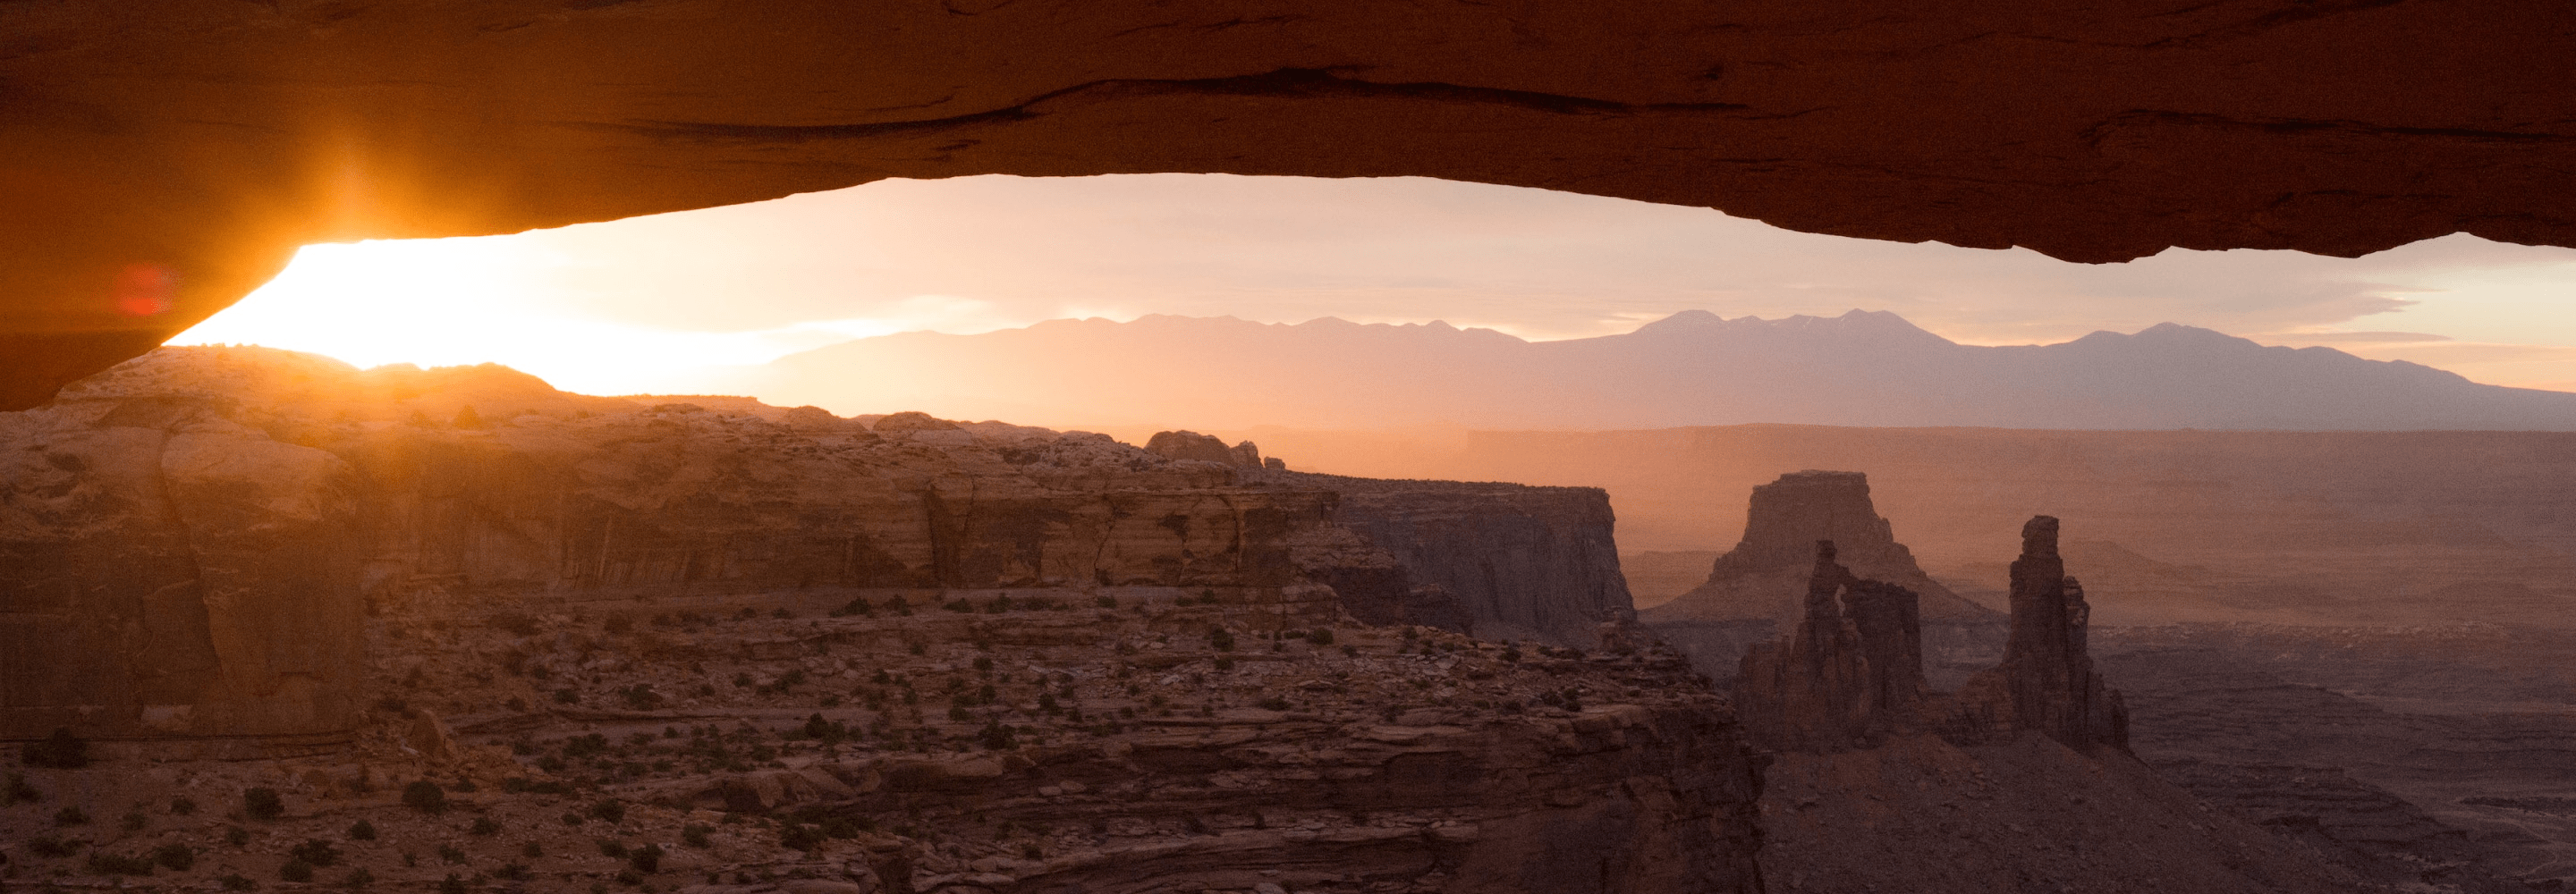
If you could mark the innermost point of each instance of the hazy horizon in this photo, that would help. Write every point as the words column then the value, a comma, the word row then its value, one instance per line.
column 665, row 303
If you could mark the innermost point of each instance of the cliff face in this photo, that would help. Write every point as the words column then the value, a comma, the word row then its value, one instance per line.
column 1524, row 562
column 165, row 571
column 1765, row 573
column 188, row 539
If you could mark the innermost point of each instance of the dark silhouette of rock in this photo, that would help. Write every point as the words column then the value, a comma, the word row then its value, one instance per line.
column 2130, row 127
column 1851, row 672
column 2046, row 681
column 1763, row 577
column 1191, row 445
column 1849, row 675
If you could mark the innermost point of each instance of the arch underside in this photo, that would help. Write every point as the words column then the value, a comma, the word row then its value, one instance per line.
column 164, row 159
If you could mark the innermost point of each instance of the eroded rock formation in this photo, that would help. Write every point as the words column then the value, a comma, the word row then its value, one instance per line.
column 1851, row 673
column 1190, row 445
column 166, row 160
column 191, row 539
column 2046, row 682
column 1764, row 576
column 1523, row 562
column 1762, row 589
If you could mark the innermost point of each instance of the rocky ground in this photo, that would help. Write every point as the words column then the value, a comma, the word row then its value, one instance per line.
column 2029, row 815
column 2441, row 756
column 1111, row 739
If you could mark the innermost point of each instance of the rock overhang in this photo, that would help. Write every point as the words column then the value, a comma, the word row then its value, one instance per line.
column 165, row 160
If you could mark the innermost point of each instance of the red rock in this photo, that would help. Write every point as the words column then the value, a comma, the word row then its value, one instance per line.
column 165, row 160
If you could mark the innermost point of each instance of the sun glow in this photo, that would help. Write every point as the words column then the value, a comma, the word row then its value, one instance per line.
column 496, row 299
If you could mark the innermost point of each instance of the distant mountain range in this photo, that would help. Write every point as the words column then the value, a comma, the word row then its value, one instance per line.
column 1693, row 368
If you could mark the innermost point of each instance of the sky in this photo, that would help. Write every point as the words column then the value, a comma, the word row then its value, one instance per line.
column 671, row 303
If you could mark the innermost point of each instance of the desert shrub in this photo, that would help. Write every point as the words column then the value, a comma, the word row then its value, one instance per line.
column 628, row 877
column 484, row 826
column 237, row 836
column 1105, row 601
column 517, row 624
column 646, row 859
column 996, row 737
column 695, row 835
column 60, row 751
column 609, row 809
column 800, row 836
column 362, row 831
column 70, row 816
column 358, row 877
column 296, row 871
column 182, row 806
column 101, row 863
column 1224, row 663
column 1274, row 703
column 424, row 796
column 234, row 881
column 316, row 851
column 857, row 605
column 781, row 613
column 959, row 605
column 618, row 623
column 1321, row 636
column 514, row 872
column 18, row 790
column 610, row 847
column 263, row 803
column 134, row 821
column 449, row 853
column 1220, row 639
column 567, row 697
column 52, row 846
column 174, row 855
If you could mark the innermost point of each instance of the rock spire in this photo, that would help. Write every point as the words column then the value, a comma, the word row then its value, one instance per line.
column 1851, row 673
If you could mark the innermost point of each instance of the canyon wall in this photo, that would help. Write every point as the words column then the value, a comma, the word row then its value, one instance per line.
column 191, row 540
column 166, row 572
column 193, row 536
column 1524, row 562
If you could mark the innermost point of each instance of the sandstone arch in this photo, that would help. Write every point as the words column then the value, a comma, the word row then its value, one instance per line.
column 163, row 158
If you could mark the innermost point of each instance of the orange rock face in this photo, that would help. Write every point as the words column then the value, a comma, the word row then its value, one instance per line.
column 165, row 158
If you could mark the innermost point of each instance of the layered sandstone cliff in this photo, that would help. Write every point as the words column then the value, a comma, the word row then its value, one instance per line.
column 1523, row 562
column 191, row 539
